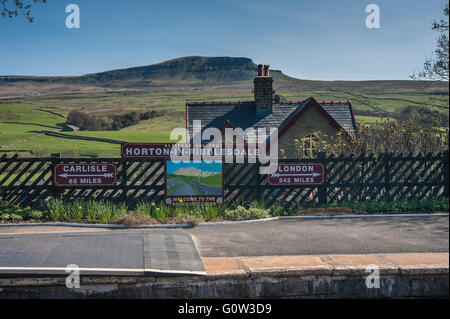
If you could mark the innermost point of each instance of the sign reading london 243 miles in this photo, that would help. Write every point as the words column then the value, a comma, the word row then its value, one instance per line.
column 297, row 174
column 75, row 174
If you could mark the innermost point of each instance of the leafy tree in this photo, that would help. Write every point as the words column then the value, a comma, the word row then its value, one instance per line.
column 84, row 121
column 411, row 137
column 436, row 67
column 12, row 8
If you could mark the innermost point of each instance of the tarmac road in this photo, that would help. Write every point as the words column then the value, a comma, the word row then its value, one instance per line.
column 184, row 190
column 207, row 189
column 190, row 189
column 326, row 236
column 168, row 250
column 123, row 252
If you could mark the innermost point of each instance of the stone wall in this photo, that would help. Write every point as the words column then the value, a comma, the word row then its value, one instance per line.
column 429, row 283
column 310, row 121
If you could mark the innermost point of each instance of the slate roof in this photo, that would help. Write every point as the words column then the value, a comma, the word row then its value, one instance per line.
column 342, row 112
column 243, row 114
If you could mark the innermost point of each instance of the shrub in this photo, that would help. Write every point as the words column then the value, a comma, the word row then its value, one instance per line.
column 84, row 121
column 206, row 211
column 40, row 151
column 10, row 211
column 242, row 213
column 277, row 210
column 75, row 210
column 102, row 211
column 149, row 213
column 105, row 211
column 150, row 209
column 54, row 209
column 132, row 118
column 409, row 137
column 15, row 217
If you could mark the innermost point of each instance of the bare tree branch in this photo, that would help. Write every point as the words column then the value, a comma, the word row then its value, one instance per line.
column 436, row 67
column 12, row 8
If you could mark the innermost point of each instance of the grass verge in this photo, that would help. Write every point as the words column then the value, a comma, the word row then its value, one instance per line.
column 150, row 213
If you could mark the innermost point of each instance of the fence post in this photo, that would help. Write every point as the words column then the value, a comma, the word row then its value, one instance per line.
column 387, row 176
column 446, row 174
column 54, row 190
column 322, row 189
column 124, row 182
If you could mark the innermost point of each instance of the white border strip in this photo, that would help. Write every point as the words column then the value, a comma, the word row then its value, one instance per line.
column 178, row 272
column 225, row 222
column 118, row 226
column 364, row 216
column 103, row 271
column 239, row 221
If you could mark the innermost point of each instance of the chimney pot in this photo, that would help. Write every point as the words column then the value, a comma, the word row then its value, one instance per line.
column 266, row 69
column 260, row 70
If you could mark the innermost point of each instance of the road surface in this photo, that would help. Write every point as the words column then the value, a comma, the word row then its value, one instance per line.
column 181, row 188
column 326, row 236
column 207, row 189
column 125, row 252
column 192, row 188
column 174, row 250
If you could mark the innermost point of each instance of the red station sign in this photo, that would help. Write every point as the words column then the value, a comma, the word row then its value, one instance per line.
column 74, row 174
column 153, row 150
column 297, row 174
column 166, row 150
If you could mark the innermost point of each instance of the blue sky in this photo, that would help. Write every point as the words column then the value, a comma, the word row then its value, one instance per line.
column 215, row 166
column 317, row 39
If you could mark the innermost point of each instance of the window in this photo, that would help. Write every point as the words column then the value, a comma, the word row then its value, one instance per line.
column 310, row 145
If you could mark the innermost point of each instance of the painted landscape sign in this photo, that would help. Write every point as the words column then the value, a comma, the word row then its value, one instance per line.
column 297, row 174
column 74, row 174
column 193, row 181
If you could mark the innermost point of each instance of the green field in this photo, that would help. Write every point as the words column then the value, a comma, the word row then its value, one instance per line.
column 369, row 119
column 213, row 180
column 29, row 116
column 23, row 177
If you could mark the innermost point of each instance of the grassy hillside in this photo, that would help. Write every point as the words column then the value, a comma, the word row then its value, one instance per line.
column 187, row 69
column 21, row 119
column 29, row 105
column 173, row 73
column 213, row 180
column 226, row 74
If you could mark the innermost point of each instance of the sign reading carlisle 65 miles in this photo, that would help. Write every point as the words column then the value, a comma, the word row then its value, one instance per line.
column 74, row 174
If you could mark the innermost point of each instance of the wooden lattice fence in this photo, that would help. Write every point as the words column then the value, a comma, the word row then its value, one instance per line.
column 27, row 181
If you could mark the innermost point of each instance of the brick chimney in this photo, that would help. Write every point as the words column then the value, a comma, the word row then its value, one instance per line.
column 263, row 90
